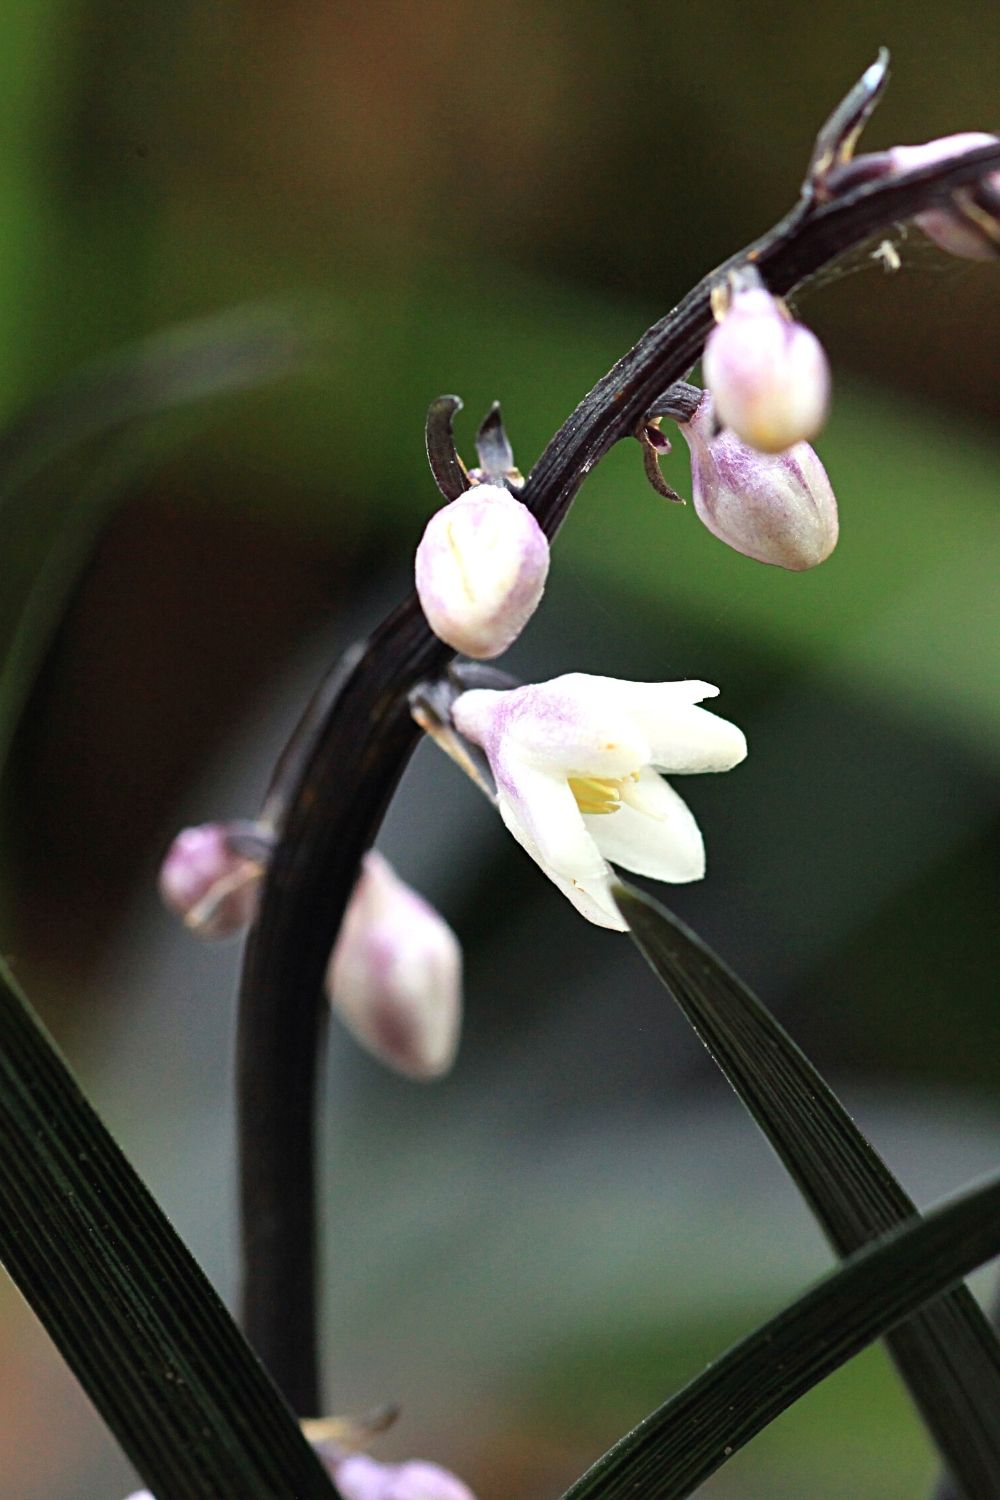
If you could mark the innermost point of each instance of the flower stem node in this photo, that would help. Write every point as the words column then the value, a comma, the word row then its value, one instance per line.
column 212, row 882
column 576, row 763
column 768, row 374
column 481, row 568
column 971, row 228
column 395, row 976
column 778, row 508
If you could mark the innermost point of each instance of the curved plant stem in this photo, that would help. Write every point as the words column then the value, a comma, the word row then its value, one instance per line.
column 340, row 782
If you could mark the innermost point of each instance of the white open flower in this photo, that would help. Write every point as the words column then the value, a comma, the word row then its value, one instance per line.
column 576, row 763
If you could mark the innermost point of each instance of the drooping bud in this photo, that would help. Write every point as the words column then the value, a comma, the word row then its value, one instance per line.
column 970, row 229
column 768, row 374
column 362, row 1478
column 359, row 1477
column 395, row 975
column 481, row 568
column 211, row 876
column 775, row 507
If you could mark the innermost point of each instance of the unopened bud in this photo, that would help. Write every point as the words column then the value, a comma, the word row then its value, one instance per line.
column 362, row 1478
column 209, row 882
column 481, row 568
column 395, row 976
column 967, row 230
column 359, row 1477
column 775, row 507
column 768, row 375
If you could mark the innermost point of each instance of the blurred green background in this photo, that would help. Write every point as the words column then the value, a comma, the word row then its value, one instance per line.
column 492, row 199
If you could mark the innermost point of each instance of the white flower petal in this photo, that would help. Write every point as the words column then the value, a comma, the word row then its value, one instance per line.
column 542, row 814
column 684, row 738
column 679, row 737
column 548, row 825
column 664, row 842
column 574, row 724
column 593, row 900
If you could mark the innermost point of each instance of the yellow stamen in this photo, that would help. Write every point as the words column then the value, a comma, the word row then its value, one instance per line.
column 599, row 794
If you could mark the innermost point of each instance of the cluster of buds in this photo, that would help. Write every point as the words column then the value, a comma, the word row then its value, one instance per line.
column 567, row 755
column 395, row 974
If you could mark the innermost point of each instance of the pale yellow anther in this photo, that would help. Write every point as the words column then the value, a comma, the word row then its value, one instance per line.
column 601, row 794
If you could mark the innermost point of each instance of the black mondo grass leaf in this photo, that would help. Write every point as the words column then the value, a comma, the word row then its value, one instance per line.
column 122, row 1299
column 681, row 1444
column 949, row 1355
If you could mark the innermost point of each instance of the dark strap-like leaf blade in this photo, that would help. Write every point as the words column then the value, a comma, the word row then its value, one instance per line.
column 679, row 1446
column 949, row 1356
column 125, row 1303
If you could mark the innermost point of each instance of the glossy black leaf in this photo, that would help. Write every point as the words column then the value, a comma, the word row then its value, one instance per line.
column 119, row 1295
column 949, row 1356
column 677, row 1447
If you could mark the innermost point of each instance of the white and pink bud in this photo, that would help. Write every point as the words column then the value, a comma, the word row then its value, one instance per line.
column 481, row 568
column 359, row 1477
column 778, row 508
column 966, row 230
column 395, row 975
column 768, row 374
column 212, row 882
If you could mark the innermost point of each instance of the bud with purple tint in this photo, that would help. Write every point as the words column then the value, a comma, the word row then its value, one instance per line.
column 969, row 230
column 395, row 976
column 211, row 882
column 778, row 508
column 768, row 375
column 481, row 568
column 359, row 1477
column 362, row 1478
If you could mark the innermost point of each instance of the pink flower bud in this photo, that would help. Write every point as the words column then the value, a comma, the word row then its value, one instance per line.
column 768, row 374
column 481, row 568
column 395, row 976
column 778, row 508
column 970, row 234
column 362, row 1478
column 204, row 880
column 359, row 1477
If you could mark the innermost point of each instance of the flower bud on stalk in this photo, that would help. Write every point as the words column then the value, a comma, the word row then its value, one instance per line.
column 395, row 976
column 208, row 883
column 481, row 568
column 971, row 232
column 362, row 1478
column 777, row 508
column 359, row 1477
column 768, row 375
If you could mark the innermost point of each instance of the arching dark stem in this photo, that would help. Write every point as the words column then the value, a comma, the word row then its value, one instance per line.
column 341, row 779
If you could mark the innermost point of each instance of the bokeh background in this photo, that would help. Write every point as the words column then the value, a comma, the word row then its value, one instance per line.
column 376, row 205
